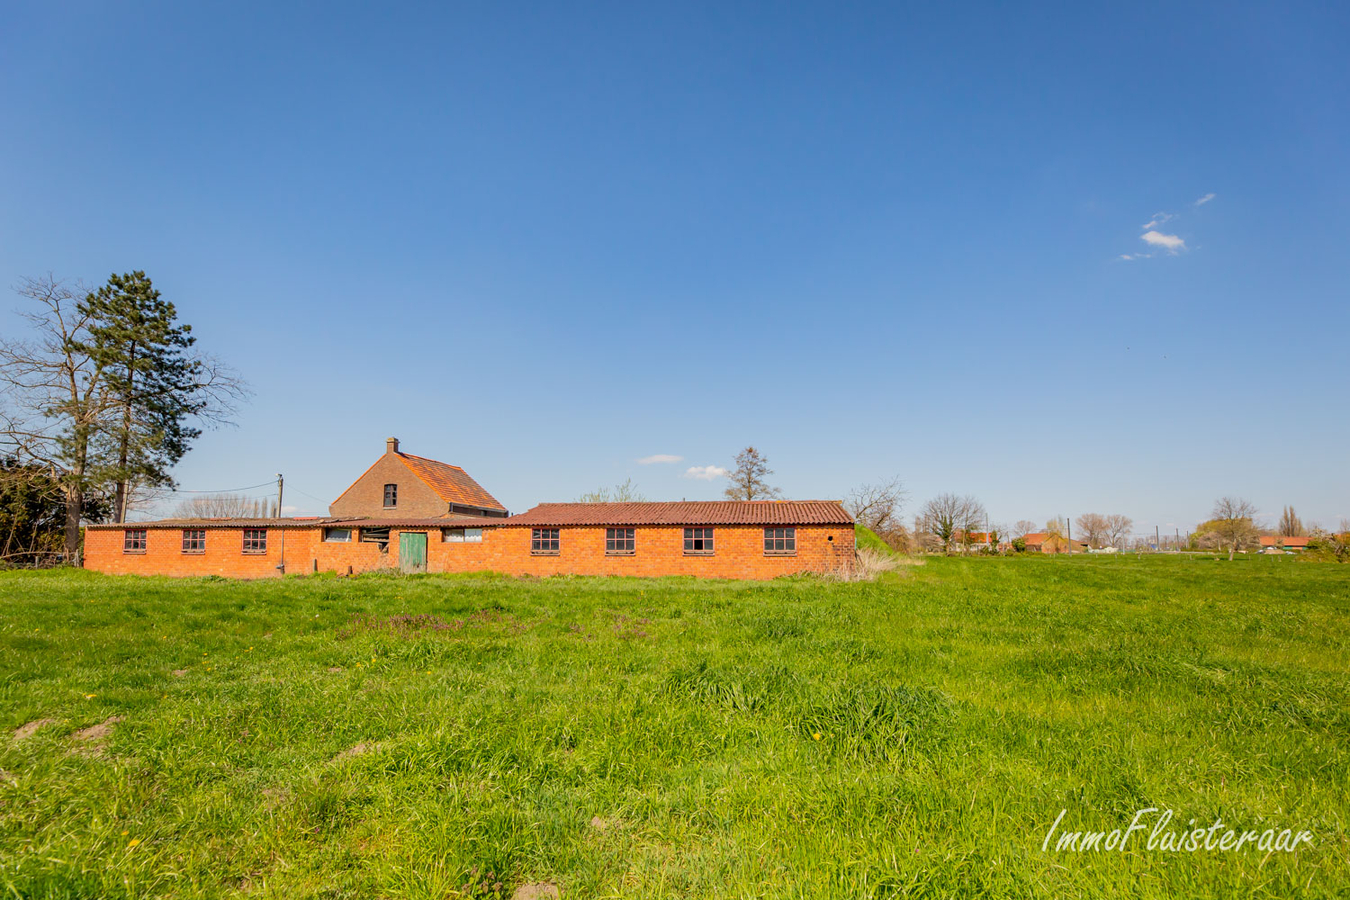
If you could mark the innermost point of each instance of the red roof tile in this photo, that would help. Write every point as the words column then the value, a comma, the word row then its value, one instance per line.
column 451, row 483
column 706, row 512
column 197, row 524
column 1281, row 541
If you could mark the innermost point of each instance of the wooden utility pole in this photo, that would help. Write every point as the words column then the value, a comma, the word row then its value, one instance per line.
column 280, row 484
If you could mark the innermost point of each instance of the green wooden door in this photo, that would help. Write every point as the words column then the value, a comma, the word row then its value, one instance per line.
column 412, row 551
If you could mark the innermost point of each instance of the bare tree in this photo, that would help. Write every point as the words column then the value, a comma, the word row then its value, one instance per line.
column 1290, row 524
column 620, row 493
column 1093, row 528
column 1022, row 528
column 877, row 505
column 950, row 517
column 218, row 506
column 1234, row 522
column 1117, row 529
column 56, row 398
column 748, row 479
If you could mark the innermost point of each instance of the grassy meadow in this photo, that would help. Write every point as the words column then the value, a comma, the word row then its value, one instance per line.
column 448, row 736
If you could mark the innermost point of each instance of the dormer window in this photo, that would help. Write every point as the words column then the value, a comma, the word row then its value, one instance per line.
column 390, row 496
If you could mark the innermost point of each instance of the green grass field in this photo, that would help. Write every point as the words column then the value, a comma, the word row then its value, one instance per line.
column 408, row 737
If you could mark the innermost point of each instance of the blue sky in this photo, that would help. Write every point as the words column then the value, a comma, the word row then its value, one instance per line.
column 545, row 243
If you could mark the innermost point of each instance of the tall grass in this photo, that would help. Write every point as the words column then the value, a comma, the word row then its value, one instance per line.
column 391, row 736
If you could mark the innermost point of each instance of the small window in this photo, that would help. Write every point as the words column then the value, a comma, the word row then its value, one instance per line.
column 544, row 540
column 133, row 540
column 462, row 535
column 255, row 540
column 620, row 542
column 698, row 540
column 780, row 540
column 194, row 541
column 337, row 535
column 390, row 496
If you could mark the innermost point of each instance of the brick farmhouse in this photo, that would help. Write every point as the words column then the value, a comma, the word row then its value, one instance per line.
column 415, row 514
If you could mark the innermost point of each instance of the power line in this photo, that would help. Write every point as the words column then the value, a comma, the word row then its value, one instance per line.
column 251, row 487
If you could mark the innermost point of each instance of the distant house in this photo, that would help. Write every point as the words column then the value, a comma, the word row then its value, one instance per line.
column 976, row 540
column 1282, row 543
column 1044, row 542
column 400, row 484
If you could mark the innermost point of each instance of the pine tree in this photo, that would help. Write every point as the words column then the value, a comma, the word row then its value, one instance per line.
column 143, row 353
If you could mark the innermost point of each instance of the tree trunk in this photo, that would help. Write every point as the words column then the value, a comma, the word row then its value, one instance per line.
column 124, row 442
column 74, row 508
column 1231, row 551
column 74, row 493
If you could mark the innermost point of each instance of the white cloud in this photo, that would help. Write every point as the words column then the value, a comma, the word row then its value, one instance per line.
column 1131, row 256
column 1205, row 199
column 1169, row 242
column 1158, row 219
column 659, row 458
column 706, row 473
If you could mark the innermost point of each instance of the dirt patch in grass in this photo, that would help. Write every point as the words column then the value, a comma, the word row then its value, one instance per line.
column 97, row 732
column 96, row 736
column 360, row 749
column 26, row 731
column 539, row 890
column 179, row 673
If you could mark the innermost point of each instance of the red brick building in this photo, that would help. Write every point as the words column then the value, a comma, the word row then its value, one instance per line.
column 717, row 539
column 400, row 484
column 414, row 514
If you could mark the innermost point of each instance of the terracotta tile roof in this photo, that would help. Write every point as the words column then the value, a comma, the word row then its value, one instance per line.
column 451, row 483
column 1278, row 541
column 708, row 512
column 229, row 522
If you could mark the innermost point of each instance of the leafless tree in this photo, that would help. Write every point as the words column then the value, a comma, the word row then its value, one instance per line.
column 1118, row 529
column 219, row 506
column 1234, row 521
column 951, row 517
column 748, row 479
column 1093, row 528
column 877, row 505
column 620, row 493
column 55, row 398
column 1290, row 524
column 1022, row 528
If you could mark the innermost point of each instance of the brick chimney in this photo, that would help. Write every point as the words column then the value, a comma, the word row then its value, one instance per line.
column 391, row 445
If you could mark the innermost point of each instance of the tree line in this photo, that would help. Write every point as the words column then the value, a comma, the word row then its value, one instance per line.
column 99, row 400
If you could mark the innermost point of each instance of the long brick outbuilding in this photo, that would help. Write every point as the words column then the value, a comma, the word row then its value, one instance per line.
column 719, row 539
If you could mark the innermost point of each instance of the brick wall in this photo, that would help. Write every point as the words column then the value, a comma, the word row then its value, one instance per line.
column 366, row 496
column 660, row 551
column 223, row 554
